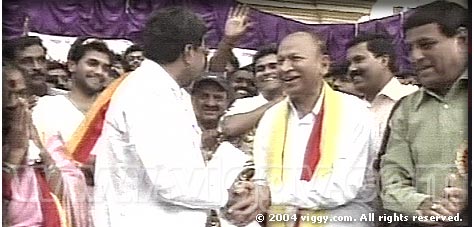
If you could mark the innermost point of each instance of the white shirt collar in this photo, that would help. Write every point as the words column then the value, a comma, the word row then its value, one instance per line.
column 316, row 108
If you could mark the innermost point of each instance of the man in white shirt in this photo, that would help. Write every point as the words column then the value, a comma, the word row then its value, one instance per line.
column 308, row 148
column 150, row 168
column 372, row 67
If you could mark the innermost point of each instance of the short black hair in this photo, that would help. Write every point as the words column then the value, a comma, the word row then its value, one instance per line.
column 448, row 15
column 132, row 48
column 13, row 46
column 379, row 44
column 264, row 51
column 82, row 45
column 168, row 31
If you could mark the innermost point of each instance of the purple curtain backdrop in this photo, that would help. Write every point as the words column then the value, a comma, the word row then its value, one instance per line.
column 125, row 18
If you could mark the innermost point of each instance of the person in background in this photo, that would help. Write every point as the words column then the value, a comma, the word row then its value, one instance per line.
column 132, row 57
column 60, row 73
column 243, row 83
column 41, row 185
column 29, row 55
column 236, row 25
column 340, row 80
column 425, row 162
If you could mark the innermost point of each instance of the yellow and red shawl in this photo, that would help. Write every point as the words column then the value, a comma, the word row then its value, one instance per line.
column 328, row 136
column 85, row 137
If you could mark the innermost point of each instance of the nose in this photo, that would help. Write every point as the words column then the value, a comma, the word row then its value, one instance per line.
column 37, row 65
column 286, row 66
column 415, row 54
column 211, row 102
column 101, row 71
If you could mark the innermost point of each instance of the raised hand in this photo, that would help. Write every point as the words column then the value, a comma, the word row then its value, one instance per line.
column 19, row 133
column 237, row 23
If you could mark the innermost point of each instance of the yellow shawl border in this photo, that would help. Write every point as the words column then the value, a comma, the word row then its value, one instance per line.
column 278, row 149
column 95, row 109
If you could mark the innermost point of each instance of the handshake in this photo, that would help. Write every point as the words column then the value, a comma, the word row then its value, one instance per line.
column 246, row 200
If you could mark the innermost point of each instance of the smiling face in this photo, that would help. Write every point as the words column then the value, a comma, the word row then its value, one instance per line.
column 90, row 72
column 266, row 74
column 301, row 65
column 242, row 81
column 439, row 60
column 210, row 101
column 366, row 69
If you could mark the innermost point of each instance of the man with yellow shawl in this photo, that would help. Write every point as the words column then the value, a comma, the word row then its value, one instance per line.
column 312, row 148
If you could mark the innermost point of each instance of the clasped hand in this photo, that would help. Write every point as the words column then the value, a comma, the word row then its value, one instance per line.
column 246, row 200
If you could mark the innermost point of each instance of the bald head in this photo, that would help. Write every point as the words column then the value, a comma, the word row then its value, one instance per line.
column 308, row 37
column 302, row 64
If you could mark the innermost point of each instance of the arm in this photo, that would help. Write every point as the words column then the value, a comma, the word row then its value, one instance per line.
column 235, row 125
column 397, row 168
column 235, row 27
column 168, row 146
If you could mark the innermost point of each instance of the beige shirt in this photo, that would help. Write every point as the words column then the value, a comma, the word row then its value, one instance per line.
column 384, row 101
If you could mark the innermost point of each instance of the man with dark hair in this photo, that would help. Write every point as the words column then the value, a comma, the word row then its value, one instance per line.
column 29, row 55
column 133, row 57
column 59, row 73
column 424, row 167
column 242, row 117
column 150, row 164
column 89, row 62
column 372, row 67
column 340, row 80
column 243, row 83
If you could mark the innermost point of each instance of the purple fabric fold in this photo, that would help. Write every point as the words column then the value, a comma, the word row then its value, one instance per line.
column 124, row 19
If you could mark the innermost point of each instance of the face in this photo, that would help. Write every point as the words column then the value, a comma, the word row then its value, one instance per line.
column 266, row 73
column 365, row 68
column 345, row 84
column 64, row 81
column 197, row 59
column 90, row 72
column 32, row 60
column 438, row 59
column 301, row 65
column 14, row 88
column 210, row 101
column 134, row 59
column 243, row 83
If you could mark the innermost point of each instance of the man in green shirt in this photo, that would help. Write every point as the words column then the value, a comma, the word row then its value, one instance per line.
column 430, row 126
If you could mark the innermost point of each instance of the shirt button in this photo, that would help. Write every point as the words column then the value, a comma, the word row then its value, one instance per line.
column 446, row 106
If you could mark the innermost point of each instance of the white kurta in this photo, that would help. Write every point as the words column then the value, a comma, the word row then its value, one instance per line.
column 56, row 115
column 150, row 169
column 335, row 194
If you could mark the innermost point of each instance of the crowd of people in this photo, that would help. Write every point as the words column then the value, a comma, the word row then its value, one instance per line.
column 165, row 135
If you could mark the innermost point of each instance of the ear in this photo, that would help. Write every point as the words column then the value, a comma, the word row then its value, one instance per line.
column 188, row 53
column 384, row 59
column 462, row 36
column 71, row 66
column 325, row 63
